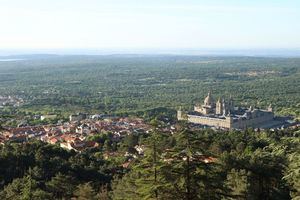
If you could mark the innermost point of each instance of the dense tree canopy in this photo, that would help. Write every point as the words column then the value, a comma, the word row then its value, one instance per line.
column 187, row 164
column 146, row 85
column 239, row 165
column 198, row 164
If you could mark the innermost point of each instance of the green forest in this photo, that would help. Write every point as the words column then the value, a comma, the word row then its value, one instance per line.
column 189, row 164
column 132, row 84
column 200, row 164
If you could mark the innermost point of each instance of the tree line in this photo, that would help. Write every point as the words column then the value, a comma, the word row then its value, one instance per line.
column 189, row 164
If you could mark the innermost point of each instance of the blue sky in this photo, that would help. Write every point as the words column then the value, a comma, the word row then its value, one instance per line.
column 246, row 24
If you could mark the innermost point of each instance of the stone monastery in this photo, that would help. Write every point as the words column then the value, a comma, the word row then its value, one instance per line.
column 223, row 114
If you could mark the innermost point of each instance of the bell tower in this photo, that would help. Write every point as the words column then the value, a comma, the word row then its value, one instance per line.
column 219, row 107
column 179, row 114
column 231, row 104
column 270, row 109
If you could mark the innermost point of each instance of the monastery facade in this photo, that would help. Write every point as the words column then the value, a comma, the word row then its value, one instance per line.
column 223, row 114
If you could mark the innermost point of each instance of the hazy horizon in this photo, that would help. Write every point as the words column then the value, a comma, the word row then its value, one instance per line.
column 156, row 51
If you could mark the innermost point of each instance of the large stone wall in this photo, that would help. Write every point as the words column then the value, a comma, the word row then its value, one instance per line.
column 253, row 122
column 228, row 122
column 224, row 123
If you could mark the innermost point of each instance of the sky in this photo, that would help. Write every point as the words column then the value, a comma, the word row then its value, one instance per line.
column 125, row 24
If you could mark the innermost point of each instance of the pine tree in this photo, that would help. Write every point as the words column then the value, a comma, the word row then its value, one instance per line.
column 177, row 173
column 191, row 176
column 61, row 186
column 125, row 187
column 145, row 181
column 238, row 182
column 293, row 175
column 85, row 192
column 150, row 169
column 262, row 177
column 24, row 188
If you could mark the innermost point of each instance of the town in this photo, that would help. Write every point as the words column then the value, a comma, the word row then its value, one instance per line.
column 72, row 135
column 75, row 133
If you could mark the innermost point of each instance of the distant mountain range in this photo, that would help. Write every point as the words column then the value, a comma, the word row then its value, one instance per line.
column 12, row 53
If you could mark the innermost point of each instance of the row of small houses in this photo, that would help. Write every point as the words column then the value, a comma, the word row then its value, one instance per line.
column 70, row 141
column 72, row 135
